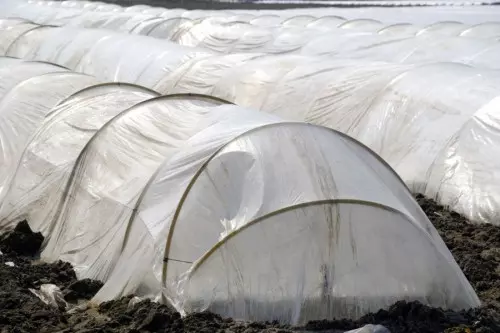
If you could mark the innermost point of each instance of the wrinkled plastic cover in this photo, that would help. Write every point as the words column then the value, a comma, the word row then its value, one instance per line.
column 24, row 108
column 37, row 188
column 100, row 53
column 110, row 175
column 219, row 177
column 251, row 283
column 122, row 222
column 173, row 195
column 285, row 31
column 464, row 174
column 397, row 110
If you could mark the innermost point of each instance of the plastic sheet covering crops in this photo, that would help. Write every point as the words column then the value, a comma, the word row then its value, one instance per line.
column 25, row 103
column 397, row 110
column 228, row 185
column 277, row 33
column 145, row 193
column 101, row 53
column 321, row 90
column 468, row 165
column 417, row 15
column 37, row 188
column 10, row 30
column 217, row 35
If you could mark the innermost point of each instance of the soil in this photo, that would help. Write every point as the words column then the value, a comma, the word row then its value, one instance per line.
column 475, row 247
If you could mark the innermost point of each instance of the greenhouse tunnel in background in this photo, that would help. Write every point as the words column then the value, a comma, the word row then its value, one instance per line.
column 224, row 31
column 320, row 90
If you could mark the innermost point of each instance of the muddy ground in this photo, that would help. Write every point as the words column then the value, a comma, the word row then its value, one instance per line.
column 476, row 249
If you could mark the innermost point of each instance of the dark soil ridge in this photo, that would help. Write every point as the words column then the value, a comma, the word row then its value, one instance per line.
column 475, row 247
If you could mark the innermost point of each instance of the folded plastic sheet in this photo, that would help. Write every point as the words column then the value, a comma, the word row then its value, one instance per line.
column 144, row 26
column 24, row 107
column 201, row 74
column 37, row 188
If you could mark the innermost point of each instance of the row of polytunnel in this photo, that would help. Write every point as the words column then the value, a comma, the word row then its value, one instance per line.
column 253, row 180
column 180, row 196
column 430, row 121
column 302, row 34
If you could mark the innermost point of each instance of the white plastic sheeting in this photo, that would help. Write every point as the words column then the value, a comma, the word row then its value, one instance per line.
column 305, row 34
column 37, row 188
column 182, row 198
column 227, row 185
column 24, row 107
column 369, row 100
column 416, row 15
column 23, row 104
column 100, row 53
column 406, row 113
column 144, row 192
column 468, row 166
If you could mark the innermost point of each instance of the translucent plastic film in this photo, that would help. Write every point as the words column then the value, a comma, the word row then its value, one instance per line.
column 105, row 54
column 10, row 76
column 464, row 176
column 323, row 260
column 111, row 173
column 149, row 226
column 10, row 31
column 225, row 32
column 240, row 184
column 38, row 186
column 24, row 108
column 405, row 113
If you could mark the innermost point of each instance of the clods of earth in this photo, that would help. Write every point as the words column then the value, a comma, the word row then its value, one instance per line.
column 476, row 248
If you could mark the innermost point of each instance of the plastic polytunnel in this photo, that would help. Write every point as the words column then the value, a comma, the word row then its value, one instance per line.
column 465, row 172
column 149, row 193
column 24, row 106
column 249, row 239
column 10, row 31
column 406, row 113
column 36, row 190
column 100, row 53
